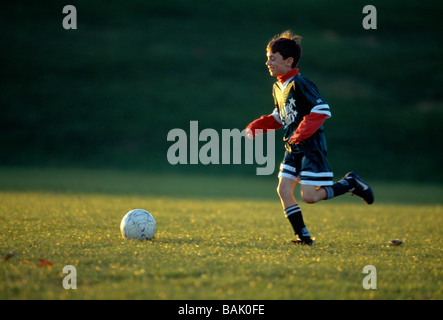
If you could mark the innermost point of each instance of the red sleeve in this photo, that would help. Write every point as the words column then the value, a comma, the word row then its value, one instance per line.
column 265, row 123
column 308, row 126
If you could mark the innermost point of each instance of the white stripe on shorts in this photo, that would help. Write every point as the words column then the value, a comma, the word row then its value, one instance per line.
column 316, row 178
column 317, row 174
column 288, row 175
column 287, row 167
column 317, row 183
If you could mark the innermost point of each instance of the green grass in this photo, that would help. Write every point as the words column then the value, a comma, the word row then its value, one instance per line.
column 217, row 238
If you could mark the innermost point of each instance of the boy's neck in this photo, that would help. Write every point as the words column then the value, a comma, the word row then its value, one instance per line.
column 283, row 78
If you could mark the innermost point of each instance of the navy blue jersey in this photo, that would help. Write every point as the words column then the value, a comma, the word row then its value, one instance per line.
column 305, row 161
column 294, row 99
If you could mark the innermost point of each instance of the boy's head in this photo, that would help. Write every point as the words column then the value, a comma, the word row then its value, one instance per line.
column 286, row 48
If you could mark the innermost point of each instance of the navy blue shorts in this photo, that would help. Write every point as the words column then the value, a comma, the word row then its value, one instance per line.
column 307, row 162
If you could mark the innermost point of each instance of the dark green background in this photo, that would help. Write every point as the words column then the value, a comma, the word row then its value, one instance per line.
column 106, row 95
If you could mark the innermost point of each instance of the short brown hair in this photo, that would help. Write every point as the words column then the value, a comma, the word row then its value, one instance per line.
column 287, row 44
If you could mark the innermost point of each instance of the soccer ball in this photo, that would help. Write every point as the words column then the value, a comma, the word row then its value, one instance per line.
column 138, row 224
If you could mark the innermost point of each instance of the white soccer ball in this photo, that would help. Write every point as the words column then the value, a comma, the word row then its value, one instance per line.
column 138, row 224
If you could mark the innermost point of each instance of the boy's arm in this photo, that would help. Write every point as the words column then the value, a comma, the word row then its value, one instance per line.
column 264, row 123
column 307, row 127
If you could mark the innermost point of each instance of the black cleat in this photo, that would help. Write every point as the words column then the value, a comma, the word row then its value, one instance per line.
column 306, row 242
column 361, row 189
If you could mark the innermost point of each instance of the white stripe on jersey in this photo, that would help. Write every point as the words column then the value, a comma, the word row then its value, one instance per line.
column 323, row 109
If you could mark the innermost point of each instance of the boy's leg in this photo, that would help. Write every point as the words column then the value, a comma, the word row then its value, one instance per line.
column 292, row 211
column 285, row 190
column 351, row 182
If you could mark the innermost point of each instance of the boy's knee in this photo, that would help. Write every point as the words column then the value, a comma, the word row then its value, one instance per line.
column 283, row 191
column 312, row 195
column 308, row 198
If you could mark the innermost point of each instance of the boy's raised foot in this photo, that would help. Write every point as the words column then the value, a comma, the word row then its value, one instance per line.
column 361, row 189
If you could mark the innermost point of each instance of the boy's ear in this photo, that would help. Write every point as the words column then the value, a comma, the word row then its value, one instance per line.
column 289, row 61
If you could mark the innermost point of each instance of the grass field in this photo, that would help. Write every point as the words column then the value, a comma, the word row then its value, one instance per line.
column 217, row 238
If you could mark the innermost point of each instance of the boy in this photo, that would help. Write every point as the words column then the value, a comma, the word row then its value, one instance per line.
column 301, row 111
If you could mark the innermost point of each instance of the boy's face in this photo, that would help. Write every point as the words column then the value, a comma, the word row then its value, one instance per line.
column 278, row 66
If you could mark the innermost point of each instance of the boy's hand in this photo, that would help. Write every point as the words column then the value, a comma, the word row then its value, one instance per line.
column 249, row 134
column 293, row 139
